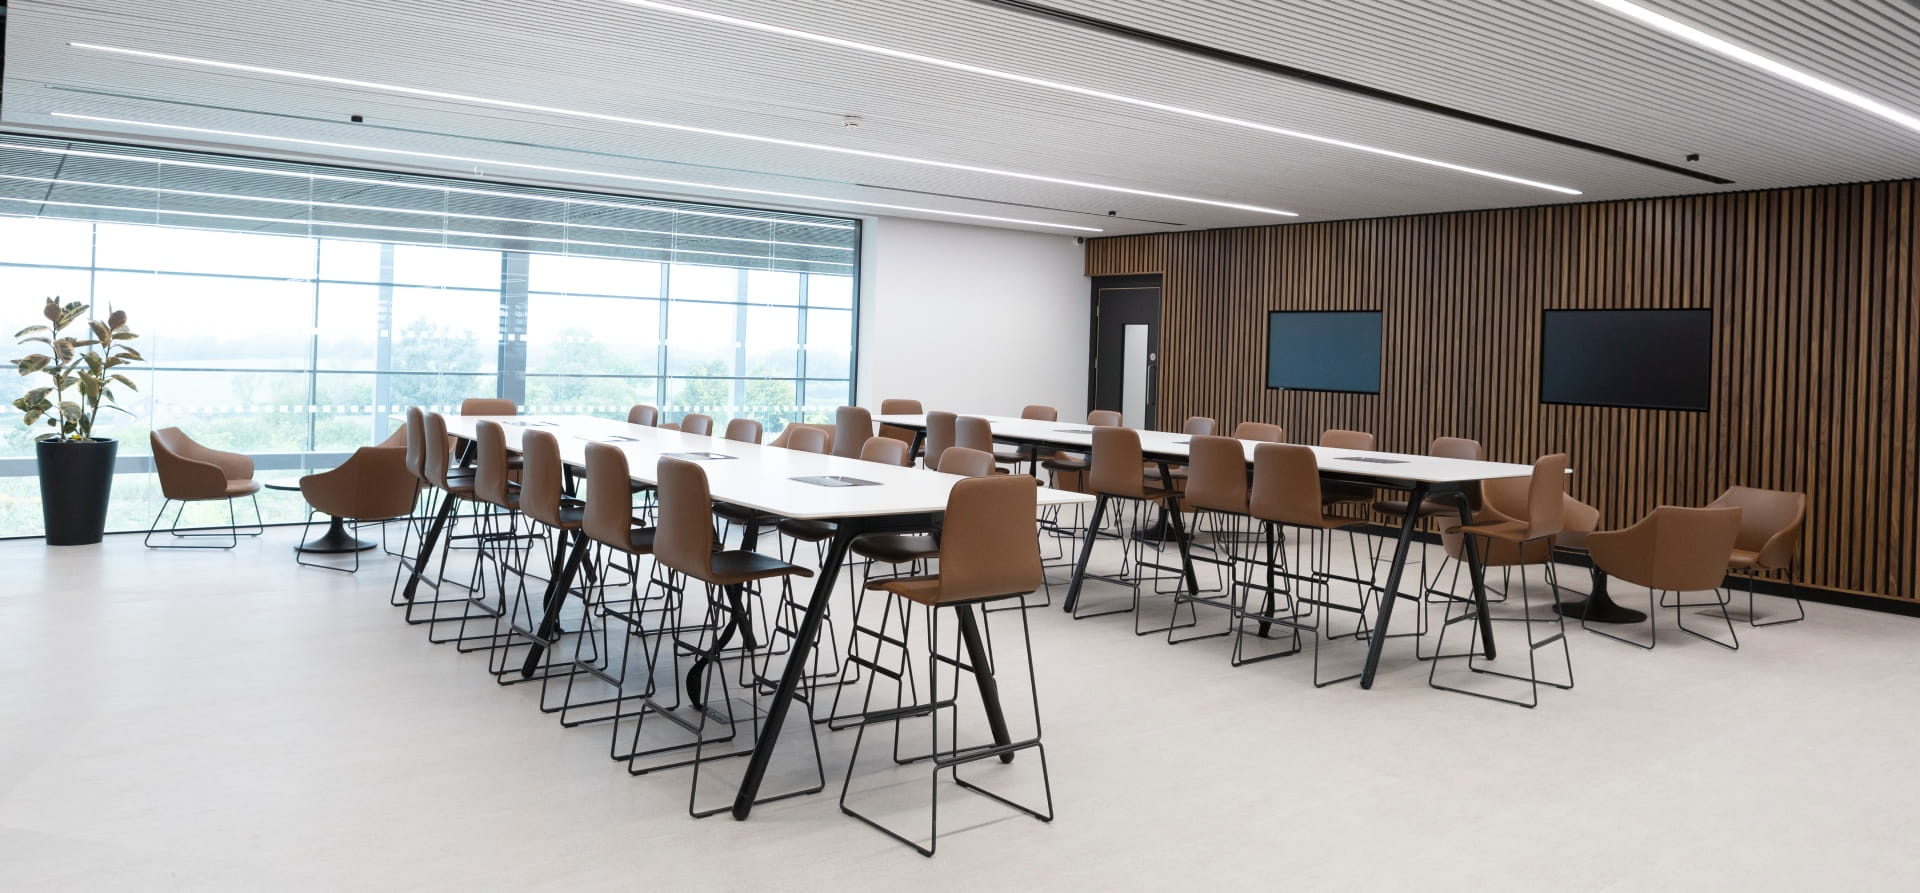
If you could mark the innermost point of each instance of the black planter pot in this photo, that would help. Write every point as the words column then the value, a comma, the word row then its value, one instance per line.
column 76, row 478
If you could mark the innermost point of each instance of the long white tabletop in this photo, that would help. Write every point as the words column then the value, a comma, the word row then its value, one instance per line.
column 754, row 476
column 1169, row 445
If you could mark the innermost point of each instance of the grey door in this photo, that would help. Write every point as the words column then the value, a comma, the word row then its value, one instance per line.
column 1126, row 347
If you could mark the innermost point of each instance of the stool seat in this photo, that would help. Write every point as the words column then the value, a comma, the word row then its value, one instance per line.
column 896, row 548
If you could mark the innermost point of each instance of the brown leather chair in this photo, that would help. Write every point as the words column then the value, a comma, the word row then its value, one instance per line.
column 940, row 435
column 643, row 414
column 374, row 484
column 1260, row 431
column 1198, row 426
column 784, row 439
column 1672, row 550
column 561, row 519
column 988, row 553
column 190, row 472
column 975, row 433
column 697, row 423
column 429, row 459
column 684, row 542
column 1114, row 474
column 397, row 438
column 1069, row 472
column 744, row 431
column 488, row 406
column 1544, row 517
column 1287, row 492
column 608, row 521
column 852, row 425
column 1103, row 418
column 1771, row 525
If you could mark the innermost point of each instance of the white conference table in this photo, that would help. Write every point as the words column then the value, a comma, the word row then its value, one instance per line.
column 1420, row 476
column 764, row 480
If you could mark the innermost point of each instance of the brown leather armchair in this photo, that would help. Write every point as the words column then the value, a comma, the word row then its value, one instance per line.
column 372, row 485
column 1771, row 524
column 190, row 472
column 1675, row 550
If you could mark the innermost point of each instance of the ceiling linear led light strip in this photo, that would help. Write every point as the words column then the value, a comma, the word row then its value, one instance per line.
column 663, row 125
column 1031, row 81
column 419, row 212
column 576, row 172
column 292, row 221
column 1738, row 53
column 429, row 187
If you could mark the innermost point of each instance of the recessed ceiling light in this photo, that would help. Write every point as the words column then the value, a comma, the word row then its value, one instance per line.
column 678, row 210
column 1085, row 91
column 663, row 125
column 571, row 171
column 1738, row 53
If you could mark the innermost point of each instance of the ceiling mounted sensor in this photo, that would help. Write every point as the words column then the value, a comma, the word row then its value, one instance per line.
column 850, row 121
column 1090, row 92
column 474, row 166
column 466, row 98
column 1717, row 44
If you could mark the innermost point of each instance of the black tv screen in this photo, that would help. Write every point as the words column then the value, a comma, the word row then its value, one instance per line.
column 1645, row 359
column 1312, row 350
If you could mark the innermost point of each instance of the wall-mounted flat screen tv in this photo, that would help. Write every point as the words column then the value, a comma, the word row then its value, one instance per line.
column 1644, row 359
column 1313, row 350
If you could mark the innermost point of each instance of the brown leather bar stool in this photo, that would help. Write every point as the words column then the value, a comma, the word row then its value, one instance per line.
column 898, row 406
column 744, row 431
column 372, row 486
column 684, row 543
column 503, row 546
column 1545, row 518
column 852, row 425
column 941, row 427
column 1028, row 455
column 1672, row 550
column 190, row 472
column 1194, row 426
column 1217, row 491
column 696, row 423
column 885, row 451
column 1287, row 492
column 1394, row 511
column 1069, row 472
column 643, row 414
column 429, row 456
column 1771, row 525
column 988, row 553
column 609, row 524
column 1115, row 475
column 1337, row 493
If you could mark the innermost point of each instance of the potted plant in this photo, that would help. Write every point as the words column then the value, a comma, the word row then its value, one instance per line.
column 76, row 468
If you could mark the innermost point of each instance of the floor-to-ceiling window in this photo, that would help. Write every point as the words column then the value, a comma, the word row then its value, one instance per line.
column 291, row 311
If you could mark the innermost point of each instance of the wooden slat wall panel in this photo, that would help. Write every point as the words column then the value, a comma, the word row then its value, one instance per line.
column 1816, row 300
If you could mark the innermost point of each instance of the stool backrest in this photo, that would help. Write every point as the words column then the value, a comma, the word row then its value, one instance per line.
column 542, row 477
column 487, row 406
column 1260, row 431
column 643, row 414
column 609, row 514
column 899, row 406
column 745, row 430
column 884, row 450
column 966, row 462
column 683, row 540
column 1286, row 484
column 1546, row 492
column 490, row 463
column 852, row 425
column 1217, row 474
column 1116, row 462
column 696, row 423
column 416, row 429
column 1343, row 439
column 1198, row 425
column 987, row 543
column 1040, row 413
column 434, row 459
column 974, row 433
column 940, row 428
column 806, row 439
column 1100, row 417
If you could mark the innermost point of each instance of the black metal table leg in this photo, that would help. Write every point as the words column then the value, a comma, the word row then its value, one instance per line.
column 1086, row 552
column 1179, row 532
column 843, row 535
column 556, row 598
column 983, row 674
column 1378, row 641
column 427, row 542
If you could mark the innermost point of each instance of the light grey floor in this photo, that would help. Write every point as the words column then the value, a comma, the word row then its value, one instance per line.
column 173, row 720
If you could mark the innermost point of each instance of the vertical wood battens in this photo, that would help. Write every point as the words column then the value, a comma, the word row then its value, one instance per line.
column 1816, row 301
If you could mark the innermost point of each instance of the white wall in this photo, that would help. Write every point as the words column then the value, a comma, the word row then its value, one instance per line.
column 972, row 319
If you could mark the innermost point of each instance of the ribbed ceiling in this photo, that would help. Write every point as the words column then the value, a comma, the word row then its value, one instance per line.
column 1561, row 66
